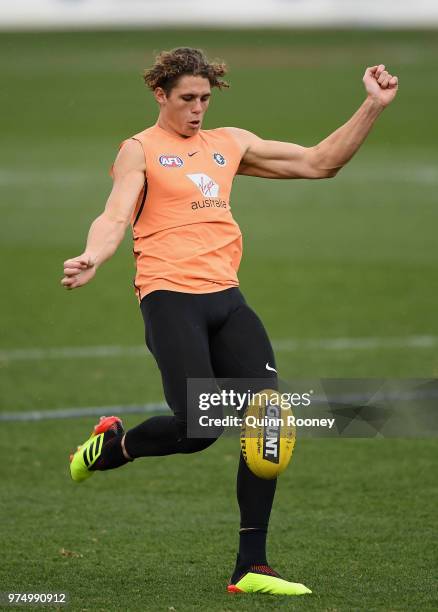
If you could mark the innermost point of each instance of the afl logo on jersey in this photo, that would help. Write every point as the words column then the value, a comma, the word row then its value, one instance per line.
column 219, row 159
column 171, row 161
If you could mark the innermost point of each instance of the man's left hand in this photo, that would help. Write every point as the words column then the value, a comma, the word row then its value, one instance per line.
column 381, row 86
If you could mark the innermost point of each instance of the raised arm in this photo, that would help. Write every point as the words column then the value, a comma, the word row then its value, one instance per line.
column 272, row 159
column 107, row 231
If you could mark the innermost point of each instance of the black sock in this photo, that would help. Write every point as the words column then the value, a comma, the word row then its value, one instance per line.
column 156, row 436
column 252, row 551
column 112, row 455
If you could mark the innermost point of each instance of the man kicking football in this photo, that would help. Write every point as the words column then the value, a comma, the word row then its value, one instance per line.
column 172, row 183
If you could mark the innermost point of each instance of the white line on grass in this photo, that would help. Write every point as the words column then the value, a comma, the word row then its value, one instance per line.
column 18, row 176
column 72, row 352
column 346, row 399
column 284, row 345
column 342, row 344
column 68, row 413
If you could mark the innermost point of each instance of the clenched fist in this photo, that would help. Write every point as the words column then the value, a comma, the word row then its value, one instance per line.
column 78, row 271
column 380, row 84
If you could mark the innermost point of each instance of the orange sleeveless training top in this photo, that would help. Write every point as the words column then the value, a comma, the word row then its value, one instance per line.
column 185, row 237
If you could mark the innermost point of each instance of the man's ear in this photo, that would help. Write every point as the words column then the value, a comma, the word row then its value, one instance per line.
column 160, row 95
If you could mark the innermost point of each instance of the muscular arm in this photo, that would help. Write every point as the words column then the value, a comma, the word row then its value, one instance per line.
column 272, row 159
column 107, row 231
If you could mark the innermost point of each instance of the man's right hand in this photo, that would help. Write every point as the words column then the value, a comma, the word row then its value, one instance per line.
column 78, row 271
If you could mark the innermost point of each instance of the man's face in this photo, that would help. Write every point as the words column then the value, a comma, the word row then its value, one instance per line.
column 184, row 108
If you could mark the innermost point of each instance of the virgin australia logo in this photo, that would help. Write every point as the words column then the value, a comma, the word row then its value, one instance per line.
column 205, row 184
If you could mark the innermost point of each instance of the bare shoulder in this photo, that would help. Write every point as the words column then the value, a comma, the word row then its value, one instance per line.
column 244, row 138
column 130, row 158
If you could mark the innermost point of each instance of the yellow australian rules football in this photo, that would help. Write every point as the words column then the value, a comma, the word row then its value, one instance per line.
column 267, row 436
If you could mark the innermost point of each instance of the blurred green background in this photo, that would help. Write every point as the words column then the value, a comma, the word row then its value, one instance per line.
column 354, row 257
column 350, row 257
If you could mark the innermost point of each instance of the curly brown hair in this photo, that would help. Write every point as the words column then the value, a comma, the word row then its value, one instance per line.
column 171, row 65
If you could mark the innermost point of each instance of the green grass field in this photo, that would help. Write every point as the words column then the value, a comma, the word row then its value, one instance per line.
column 354, row 258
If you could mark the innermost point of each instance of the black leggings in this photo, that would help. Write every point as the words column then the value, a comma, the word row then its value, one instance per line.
column 213, row 335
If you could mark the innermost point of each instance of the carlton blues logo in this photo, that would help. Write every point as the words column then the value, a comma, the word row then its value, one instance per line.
column 219, row 159
column 171, row 161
